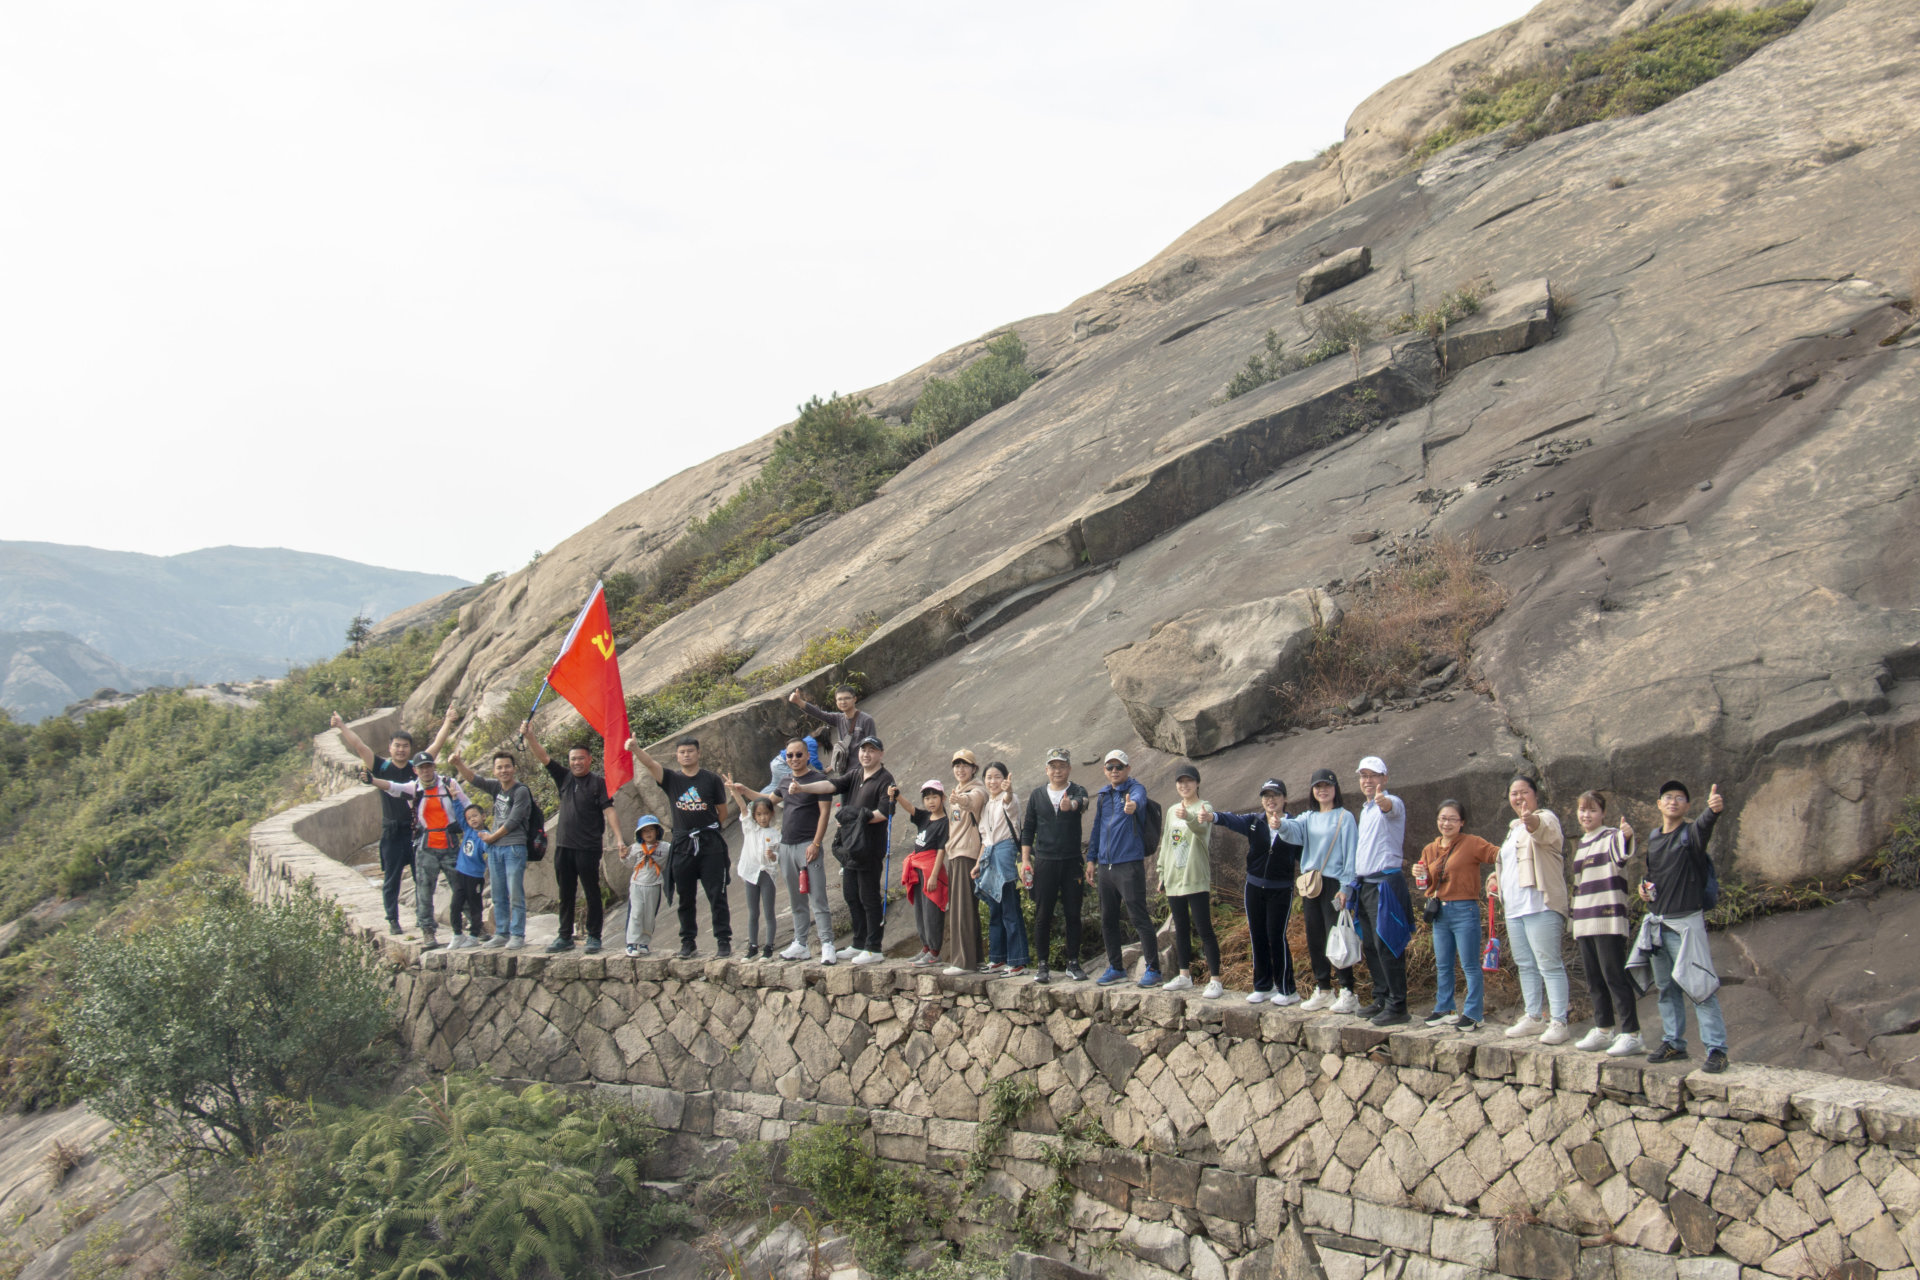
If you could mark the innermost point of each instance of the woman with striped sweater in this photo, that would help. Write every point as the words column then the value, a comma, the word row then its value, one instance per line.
column 1600, row 927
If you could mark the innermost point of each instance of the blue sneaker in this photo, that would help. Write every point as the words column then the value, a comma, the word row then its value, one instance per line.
column 1110, row 977
column 1151, row 978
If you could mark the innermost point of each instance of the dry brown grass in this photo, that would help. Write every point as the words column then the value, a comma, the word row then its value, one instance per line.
column 61, row 1159
column 1425, row 603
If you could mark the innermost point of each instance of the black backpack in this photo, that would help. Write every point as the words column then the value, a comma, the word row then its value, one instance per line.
column 536, row 829
column 1152, row 819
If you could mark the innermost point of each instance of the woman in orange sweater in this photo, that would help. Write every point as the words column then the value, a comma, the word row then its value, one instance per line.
column 1449, row 873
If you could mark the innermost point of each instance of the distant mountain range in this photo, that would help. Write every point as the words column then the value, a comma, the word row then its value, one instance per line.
column 225, row 613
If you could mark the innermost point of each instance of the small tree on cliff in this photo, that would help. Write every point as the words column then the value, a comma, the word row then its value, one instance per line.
column 186, row 1034
column 358, row 630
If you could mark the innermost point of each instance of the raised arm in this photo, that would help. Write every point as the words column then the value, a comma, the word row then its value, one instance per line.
column 446, row 731
column 647, row 762
column 533, row 743
column 460, row 766
column 352, row 739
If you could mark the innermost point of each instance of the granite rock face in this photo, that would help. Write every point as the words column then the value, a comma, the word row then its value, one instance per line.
column 1214, row 677
column 1699, row 494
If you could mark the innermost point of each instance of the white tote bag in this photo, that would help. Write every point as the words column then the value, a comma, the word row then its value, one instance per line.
column 1343, row 944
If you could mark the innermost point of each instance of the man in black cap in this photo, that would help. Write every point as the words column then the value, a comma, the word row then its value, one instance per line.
column 1050, row 860
column 866, row 804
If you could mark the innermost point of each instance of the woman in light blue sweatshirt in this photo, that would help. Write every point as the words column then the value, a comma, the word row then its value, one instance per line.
column 1333, row 836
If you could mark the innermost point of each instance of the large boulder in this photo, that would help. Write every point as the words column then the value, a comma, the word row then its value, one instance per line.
column 1212, row 677
column 1513, row 319
column 1337, row 272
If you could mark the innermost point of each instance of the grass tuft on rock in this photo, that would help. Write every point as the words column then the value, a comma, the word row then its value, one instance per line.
column 1424, row 604
column 1627, row 76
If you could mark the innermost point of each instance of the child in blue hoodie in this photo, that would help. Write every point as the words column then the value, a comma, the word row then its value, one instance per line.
column 469, row 877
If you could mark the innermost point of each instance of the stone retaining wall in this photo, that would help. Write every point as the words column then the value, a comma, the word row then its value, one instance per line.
column 1250, row 1139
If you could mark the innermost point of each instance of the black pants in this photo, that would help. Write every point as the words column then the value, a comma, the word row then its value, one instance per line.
column 1267, row 926
column 860, row 886
column 1321, row 915
column 1604, row 957
column 1193, row 913
column 1388, row 970
column 1057, row 880
column 708, row 870
column 1123, row 887
column 466, row 897
column 579, row 868
column 396, row 855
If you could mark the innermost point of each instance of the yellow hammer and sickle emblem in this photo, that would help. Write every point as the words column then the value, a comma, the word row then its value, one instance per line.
column 604, row 643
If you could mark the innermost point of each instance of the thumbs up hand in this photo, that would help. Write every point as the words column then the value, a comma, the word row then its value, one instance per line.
column 1716, row 801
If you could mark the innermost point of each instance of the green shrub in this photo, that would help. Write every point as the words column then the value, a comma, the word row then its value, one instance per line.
column 714, row 682
column 1332, row 330
column 462, row 1178
column 876, row 1205
column 996, row 378
column 1630, row 75
column 187, row 1034
column 1899, row 861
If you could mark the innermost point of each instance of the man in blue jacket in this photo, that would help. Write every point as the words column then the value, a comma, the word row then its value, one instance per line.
column 1117, row 863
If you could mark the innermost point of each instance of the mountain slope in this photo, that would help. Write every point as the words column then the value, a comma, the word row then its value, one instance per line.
column 1700, row 496
column 44, row 671
column 222, row 613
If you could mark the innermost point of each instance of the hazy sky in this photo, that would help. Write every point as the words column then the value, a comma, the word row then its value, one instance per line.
column 434, row 285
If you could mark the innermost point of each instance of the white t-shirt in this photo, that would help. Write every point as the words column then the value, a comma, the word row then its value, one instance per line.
column 756, row 849
column 1056, row 794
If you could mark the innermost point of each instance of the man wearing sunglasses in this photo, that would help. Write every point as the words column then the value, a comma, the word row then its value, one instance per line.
column 1117, row 863
column 803, row 833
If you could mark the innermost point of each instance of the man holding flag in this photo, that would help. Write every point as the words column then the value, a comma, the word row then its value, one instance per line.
column 587, row 675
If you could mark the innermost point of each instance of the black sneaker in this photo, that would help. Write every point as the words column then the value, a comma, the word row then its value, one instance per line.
column 687, row 951
column 1370, row 1011
column 1667, row 1052
column 1042, row 976
column 1076, row 974
column 393, row 927
column 1466, row 1024
column 1391, row 1018
column 723, row 950
column 1716, row 1061
column 592, row 948
column 560, row 944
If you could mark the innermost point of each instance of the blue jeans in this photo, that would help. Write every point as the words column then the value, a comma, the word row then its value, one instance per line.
column 507, row 865
column 1006, row 930
column 1536, row 954
column 1456, row 938
column 1674, row 1002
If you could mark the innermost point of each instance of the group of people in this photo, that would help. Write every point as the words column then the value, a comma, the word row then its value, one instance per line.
column 975, row 841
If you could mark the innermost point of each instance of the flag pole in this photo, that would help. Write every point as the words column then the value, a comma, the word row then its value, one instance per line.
column 544, row 686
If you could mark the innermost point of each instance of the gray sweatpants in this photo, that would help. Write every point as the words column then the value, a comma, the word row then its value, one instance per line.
column 812, row 914
column 643, row 904
column 429, row 867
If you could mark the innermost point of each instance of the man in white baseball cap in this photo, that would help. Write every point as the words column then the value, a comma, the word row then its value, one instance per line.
column 1117, row 852
column 1379, row 894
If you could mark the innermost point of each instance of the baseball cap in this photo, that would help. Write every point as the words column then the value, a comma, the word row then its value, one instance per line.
column 1186, row 771
column 421, row 757
column 968, row 756
column 1116, row 756
column 871, row 741
column 933, row 784
column 1323, row 775
column 1674, row 784
column 1061, row 754
column 1373, row 764
column 1274, row 785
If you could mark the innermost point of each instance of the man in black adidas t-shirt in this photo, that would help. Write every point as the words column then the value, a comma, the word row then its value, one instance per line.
column 698, row 855
column 396, row 812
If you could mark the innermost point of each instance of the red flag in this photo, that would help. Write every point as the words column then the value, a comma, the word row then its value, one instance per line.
column 587, row 674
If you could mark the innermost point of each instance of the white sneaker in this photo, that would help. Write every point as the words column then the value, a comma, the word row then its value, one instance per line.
column 1214, row 990
column 1556, row 1032
column 1321, row 998
column 1259, row 997
column 515, row 943
column 1595, row 1039
column 794, row 951
column 1283, row 1000
column 1180, row 982
column 1527, row 1026
column 1349, row 1002
column 1625, row 1044
column 827, row 954
column 866, row 957
column 496, row 942
column 953, row 971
